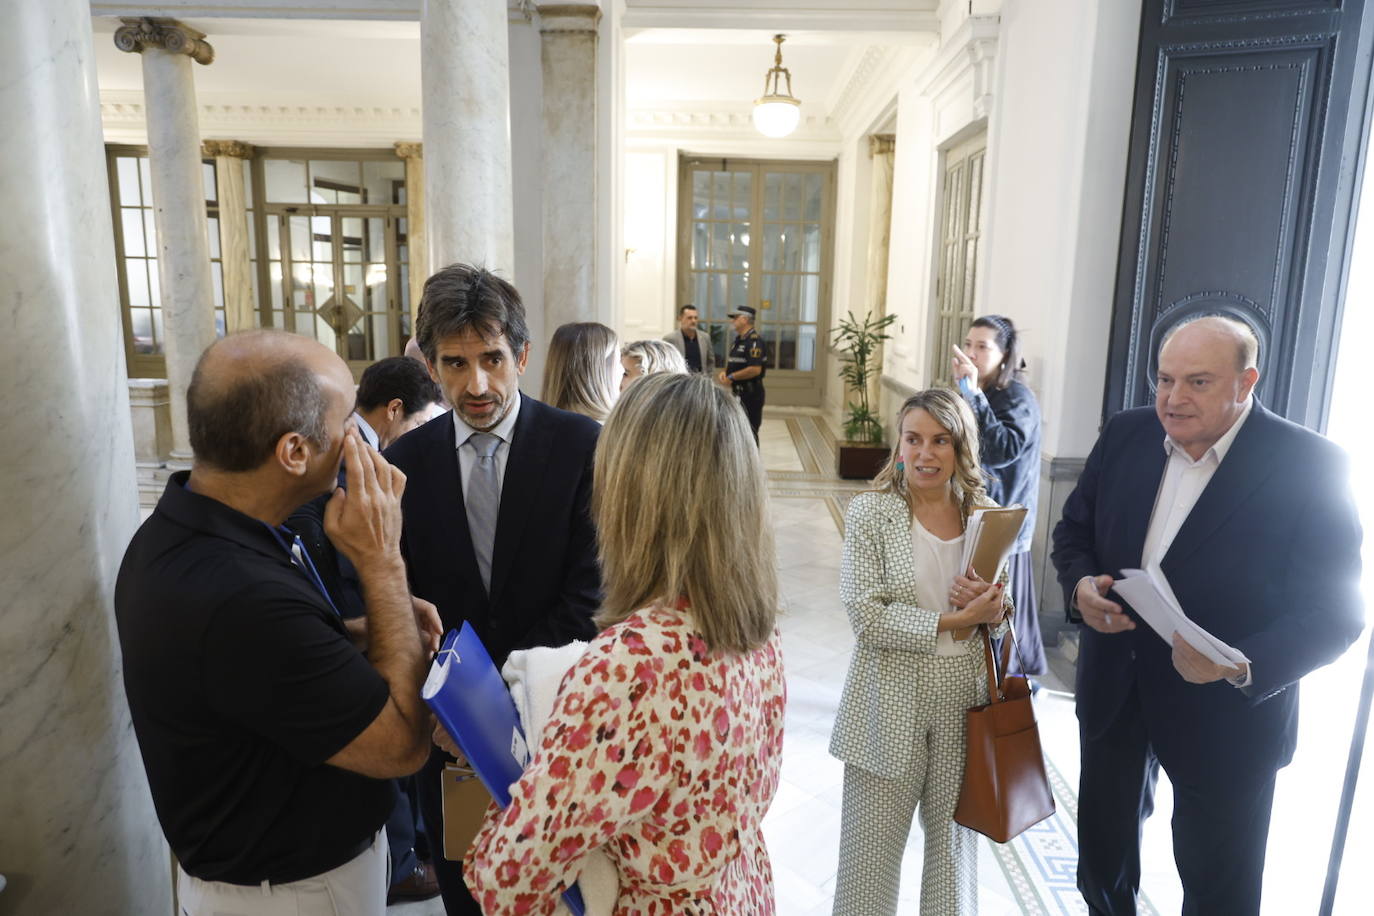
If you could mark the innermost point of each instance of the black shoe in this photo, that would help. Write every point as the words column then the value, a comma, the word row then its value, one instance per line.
column 420, row 884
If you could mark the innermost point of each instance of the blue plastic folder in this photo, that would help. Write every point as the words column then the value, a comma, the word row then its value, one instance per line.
column 471, row 701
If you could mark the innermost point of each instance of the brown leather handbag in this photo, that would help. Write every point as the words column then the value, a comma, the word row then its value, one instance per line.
column 1005, row 789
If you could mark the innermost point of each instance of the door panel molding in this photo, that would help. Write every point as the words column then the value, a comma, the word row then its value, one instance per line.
column 1240, row 186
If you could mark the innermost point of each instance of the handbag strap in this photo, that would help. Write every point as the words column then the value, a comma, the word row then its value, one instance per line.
column 995, row 694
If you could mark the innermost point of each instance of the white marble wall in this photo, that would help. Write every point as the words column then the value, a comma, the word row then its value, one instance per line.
column 77, row 831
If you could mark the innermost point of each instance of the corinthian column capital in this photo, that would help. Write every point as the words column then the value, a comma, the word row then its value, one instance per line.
column 881, row 144
column 235, row 148
column 409, row 150
column 568, row 17
column 168, row 34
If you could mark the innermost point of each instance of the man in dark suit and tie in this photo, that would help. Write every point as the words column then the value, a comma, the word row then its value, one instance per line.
column 497, row 529
column 1250, row 519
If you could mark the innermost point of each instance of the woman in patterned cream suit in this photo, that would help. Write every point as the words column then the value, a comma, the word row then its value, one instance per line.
column 900, row 729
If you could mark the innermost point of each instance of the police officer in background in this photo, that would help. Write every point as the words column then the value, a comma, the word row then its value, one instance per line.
column 746, row 365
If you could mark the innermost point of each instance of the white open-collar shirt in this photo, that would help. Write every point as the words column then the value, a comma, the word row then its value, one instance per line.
column 1179, row 490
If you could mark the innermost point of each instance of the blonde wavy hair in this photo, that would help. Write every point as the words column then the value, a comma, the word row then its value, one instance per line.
column 654, row 356
column 581, row 371
column 681, row 509
column 949, row 409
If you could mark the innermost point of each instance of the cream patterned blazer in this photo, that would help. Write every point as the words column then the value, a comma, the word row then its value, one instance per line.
column 876, row 727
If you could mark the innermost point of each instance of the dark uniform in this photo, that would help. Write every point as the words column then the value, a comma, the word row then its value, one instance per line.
column 749, row 349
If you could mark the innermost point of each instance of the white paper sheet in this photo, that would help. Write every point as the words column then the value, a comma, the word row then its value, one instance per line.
column 1152, row 597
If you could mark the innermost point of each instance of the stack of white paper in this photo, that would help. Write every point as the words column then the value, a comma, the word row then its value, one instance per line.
column 1151, row 596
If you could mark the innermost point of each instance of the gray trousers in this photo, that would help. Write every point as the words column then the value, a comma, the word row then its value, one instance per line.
column 876, row 819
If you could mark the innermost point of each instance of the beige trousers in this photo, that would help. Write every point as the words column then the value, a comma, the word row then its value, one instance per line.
column 355, row 888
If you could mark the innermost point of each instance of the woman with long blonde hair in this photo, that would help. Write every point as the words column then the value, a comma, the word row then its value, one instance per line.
column 582, row 371
column 665, row 742
column 914, row 672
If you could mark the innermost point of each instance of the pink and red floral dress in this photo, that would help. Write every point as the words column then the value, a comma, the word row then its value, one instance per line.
column 663, row 754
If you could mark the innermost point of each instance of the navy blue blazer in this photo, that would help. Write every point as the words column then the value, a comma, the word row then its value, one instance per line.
column 545, row 580
column 1268, row 561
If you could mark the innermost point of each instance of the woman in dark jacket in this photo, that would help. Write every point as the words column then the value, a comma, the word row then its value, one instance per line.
column 989, row 372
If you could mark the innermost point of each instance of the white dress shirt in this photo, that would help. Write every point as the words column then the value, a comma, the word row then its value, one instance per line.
column 369, row 434
column 1183, row 482
column 467, row 455
column 1179, row 490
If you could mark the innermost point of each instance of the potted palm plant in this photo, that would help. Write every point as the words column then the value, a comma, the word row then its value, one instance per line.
column 857, row 341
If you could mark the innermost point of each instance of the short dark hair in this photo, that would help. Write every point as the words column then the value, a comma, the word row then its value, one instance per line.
column 1013, row 366
column 235, row 423
column 685, row 308
column 462, row 298
column 397, row 377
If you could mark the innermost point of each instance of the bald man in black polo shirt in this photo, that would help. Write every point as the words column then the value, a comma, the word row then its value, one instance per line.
column 266, row 735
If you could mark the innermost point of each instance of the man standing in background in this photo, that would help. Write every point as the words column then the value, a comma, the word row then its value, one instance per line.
column 745, row 366
column 693, row 343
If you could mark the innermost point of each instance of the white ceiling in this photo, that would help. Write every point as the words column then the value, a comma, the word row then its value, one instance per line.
column 377, row 63
column 282, row 61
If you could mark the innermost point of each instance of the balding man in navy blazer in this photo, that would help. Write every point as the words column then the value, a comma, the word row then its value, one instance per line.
column 1250, row 518
column 497, row 527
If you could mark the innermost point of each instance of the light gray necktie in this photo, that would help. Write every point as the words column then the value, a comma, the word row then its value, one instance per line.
column 483, row 501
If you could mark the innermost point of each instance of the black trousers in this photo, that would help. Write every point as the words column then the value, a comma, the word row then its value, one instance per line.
column 752, row 402
column 457, row 900
column 1220, row 825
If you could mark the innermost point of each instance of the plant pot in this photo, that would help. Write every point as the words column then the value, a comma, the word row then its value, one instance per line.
column 861, row 461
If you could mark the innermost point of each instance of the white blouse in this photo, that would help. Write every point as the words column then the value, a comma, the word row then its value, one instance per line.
column 937, row 563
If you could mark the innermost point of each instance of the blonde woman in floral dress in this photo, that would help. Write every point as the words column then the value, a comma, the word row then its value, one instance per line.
column 665, row 741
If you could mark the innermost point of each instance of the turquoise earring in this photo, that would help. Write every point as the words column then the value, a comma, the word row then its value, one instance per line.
column 900, row 465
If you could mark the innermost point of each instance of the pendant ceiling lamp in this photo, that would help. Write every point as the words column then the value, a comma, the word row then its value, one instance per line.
column 777, row 113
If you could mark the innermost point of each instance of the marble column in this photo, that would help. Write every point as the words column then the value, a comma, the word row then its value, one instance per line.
column 881, row 148
column 77, row 828
column 567, row 33
column 174, row 160
column 416, row 237
column 240, row 311
column 465, row 88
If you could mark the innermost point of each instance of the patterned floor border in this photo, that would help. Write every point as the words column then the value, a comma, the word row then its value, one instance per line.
column 816, row 450
column 1041, row 864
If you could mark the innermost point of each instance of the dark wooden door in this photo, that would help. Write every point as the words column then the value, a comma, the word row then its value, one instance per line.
column 1247, row 138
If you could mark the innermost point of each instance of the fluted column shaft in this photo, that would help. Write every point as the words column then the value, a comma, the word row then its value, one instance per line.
column 882, row 149
column 567, row 33
column 465, row 84
column 77, row 828
column 417, row 239
column 183, row 256
column 239, row 308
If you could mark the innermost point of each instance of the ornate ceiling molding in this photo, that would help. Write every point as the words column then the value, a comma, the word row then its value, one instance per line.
column 718, row 120
column 971, row 53
column 124, row 121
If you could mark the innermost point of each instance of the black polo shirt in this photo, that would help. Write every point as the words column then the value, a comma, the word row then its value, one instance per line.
column 242, row 683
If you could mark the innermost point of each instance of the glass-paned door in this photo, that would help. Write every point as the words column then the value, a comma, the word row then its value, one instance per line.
column 758, row 233
column 961, row 232
column 332, row 278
